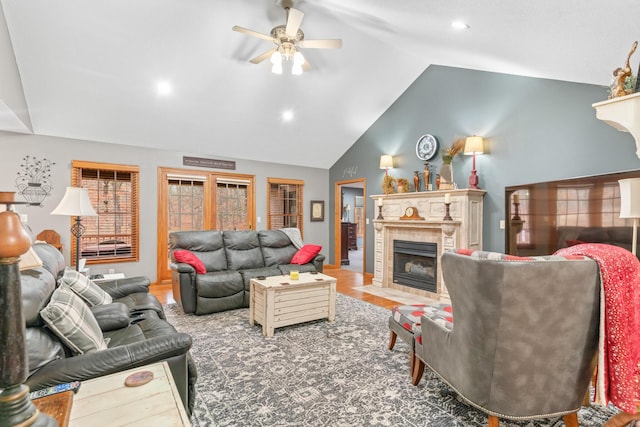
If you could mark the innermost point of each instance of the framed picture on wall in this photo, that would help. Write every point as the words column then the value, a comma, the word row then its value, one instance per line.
column 317, row 210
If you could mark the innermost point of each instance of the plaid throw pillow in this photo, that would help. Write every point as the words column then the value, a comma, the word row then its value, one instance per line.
column 72, row 321
column 85, row 288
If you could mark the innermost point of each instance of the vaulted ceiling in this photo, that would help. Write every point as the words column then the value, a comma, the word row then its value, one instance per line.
column 89, row 69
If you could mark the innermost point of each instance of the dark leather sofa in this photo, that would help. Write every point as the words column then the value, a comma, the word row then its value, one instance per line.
column 133, row 324
column 232, row 259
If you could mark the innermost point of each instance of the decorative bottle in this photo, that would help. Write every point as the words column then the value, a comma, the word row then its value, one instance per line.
column 425, row 176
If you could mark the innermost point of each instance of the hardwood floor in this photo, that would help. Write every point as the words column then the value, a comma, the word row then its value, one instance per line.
column 347, row 284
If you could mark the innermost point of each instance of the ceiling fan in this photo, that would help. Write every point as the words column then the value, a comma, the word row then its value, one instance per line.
column 289, row 39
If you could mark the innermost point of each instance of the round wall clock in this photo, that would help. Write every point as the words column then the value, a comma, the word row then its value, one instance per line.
column 426, row 147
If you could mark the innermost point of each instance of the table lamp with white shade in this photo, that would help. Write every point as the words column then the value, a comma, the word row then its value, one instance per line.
column 472, row 146
column 630, row 204
column 76, row 203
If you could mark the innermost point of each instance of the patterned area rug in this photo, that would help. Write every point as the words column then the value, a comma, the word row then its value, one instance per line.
column 322, row 374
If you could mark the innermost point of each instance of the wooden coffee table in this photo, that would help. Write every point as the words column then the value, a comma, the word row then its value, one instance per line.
column 278, row 301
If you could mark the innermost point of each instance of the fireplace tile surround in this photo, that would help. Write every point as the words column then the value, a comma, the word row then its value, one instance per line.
column 464, row 231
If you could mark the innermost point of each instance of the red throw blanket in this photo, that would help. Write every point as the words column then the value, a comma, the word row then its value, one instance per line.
column 618, row 378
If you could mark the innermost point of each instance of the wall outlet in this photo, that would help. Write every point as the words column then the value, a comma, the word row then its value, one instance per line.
column 502, row 224
column 259, row 219
column 367, row 221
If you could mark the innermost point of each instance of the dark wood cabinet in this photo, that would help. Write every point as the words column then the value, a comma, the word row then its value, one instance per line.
column 348, row 241
column 344, row 243
column 352, row 237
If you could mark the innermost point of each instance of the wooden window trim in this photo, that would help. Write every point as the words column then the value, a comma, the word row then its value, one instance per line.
column 299, row 200
column 76, row 175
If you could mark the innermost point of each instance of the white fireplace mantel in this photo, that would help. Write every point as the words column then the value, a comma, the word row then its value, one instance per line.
column 622, row 113
column 464, row 230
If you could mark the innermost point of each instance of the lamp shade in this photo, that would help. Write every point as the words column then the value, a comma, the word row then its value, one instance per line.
column 629, row 198
column 473, row 145
column 75, row 202
column 386, row 161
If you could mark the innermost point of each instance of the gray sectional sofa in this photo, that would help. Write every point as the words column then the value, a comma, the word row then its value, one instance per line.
column 231, row 260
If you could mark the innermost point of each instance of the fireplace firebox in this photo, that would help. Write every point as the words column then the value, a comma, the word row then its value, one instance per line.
column 415, row 264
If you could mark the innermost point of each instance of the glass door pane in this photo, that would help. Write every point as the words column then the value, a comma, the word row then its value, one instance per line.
column 185, row 204
column 232, row 205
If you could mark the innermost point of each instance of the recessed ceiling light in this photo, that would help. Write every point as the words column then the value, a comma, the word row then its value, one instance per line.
column 287, row 115
column 163, row 88
column 459, row 25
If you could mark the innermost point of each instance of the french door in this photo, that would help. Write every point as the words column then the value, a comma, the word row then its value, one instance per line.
column 190, row 200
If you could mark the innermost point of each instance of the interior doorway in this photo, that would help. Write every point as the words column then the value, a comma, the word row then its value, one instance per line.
column 350, row 219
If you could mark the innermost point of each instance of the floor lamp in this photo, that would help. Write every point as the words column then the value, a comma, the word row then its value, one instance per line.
column 76, row 203
column 630, row 205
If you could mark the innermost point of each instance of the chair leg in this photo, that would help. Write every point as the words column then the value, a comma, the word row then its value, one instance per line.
column 622, row 419
column 418, row 370
column 392, row 340
column 571, row 420
column 493, row 421
column 412, row 362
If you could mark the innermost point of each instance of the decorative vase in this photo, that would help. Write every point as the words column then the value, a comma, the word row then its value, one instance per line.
column 446, row 177
column 416, row 181
column 425, row 177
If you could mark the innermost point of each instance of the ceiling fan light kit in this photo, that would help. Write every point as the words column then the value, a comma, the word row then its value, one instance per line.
column 289, row 39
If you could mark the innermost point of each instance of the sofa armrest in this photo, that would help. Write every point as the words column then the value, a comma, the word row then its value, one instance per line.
column 183, row 283
column 318, row 262
column 98, row 363
column 111, row 316
column 119, row 288
column 182, row 267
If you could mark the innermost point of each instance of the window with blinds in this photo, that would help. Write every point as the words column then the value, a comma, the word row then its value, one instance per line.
column 232, row 204
column 185, row 203
column 113, row 235
column 284, row 203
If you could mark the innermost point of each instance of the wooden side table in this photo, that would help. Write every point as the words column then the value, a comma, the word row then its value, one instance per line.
column 106, row 401
column 57, row 406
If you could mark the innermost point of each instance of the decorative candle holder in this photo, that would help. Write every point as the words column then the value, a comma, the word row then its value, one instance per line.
column 516, row 214
column 380, row 212
column 447, row 216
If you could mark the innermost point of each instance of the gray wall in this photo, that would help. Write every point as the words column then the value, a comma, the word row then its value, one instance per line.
column 15, row 146
column 534, row 129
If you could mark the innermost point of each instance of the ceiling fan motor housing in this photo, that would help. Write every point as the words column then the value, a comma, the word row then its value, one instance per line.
column 280, row 35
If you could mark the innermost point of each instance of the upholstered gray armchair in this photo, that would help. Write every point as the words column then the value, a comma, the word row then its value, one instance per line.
column 524, row 335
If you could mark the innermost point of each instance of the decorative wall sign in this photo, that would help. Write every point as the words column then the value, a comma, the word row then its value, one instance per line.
column 208, row 163
column 317, row 210
column 34, row 179
column 350, row 172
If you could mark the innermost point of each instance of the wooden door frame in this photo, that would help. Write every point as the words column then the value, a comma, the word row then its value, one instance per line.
column 209, row 209
column 162, row 233
column 337, row 219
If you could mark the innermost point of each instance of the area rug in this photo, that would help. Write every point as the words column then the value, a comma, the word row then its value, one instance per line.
column 322, row 374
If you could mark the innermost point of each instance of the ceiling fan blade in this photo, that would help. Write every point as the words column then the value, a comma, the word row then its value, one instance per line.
column 260, row 58
column 252, row 33
column 293, row 22
column 321, row 44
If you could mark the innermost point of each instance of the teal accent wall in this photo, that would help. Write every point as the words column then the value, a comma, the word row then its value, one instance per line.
column 534, row 129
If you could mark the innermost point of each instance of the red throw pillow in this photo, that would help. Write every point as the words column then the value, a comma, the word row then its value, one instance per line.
column 183, row 255
column 306, row 254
